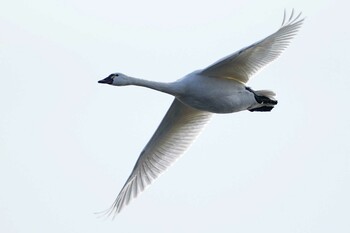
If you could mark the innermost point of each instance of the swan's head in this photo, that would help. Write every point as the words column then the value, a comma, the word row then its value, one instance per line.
column 116, row 79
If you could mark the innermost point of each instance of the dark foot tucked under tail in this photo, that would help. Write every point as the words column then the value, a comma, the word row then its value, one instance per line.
column 262, row 109
column 265, row 99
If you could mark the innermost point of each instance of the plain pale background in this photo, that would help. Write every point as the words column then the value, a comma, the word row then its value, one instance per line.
column 67, row 144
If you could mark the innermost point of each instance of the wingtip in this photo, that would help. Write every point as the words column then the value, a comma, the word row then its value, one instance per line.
column 292, row 18
column 106, row 214
column 112, row 211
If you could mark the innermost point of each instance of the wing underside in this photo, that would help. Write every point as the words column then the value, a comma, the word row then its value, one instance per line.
column 174, row 135
column 244, row 63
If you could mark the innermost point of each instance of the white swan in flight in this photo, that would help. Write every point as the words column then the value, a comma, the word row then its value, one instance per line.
column 219, row 88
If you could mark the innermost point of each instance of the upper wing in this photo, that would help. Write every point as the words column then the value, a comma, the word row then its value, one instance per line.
column 174, row 135
column 241, row 65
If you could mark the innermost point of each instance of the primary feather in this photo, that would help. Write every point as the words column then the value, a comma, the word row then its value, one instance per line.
column 244, row 63
column 180, row 126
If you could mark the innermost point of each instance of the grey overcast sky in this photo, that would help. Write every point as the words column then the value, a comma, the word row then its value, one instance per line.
column 67, row 144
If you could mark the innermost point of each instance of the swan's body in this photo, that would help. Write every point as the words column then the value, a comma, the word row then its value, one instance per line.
column 216, row 95
column 219, row 88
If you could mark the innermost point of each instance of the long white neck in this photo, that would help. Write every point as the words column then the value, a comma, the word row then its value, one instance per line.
column 172, row 88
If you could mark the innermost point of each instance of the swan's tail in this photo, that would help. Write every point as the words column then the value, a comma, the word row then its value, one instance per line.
column 266, row 101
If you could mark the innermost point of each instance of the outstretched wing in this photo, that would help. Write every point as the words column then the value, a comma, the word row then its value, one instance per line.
column 174, row 135
column 244, row 63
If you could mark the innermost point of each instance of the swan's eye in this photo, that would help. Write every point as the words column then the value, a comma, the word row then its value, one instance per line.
column 116, row 75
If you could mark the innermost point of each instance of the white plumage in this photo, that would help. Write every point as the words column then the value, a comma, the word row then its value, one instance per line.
column 219, row 88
